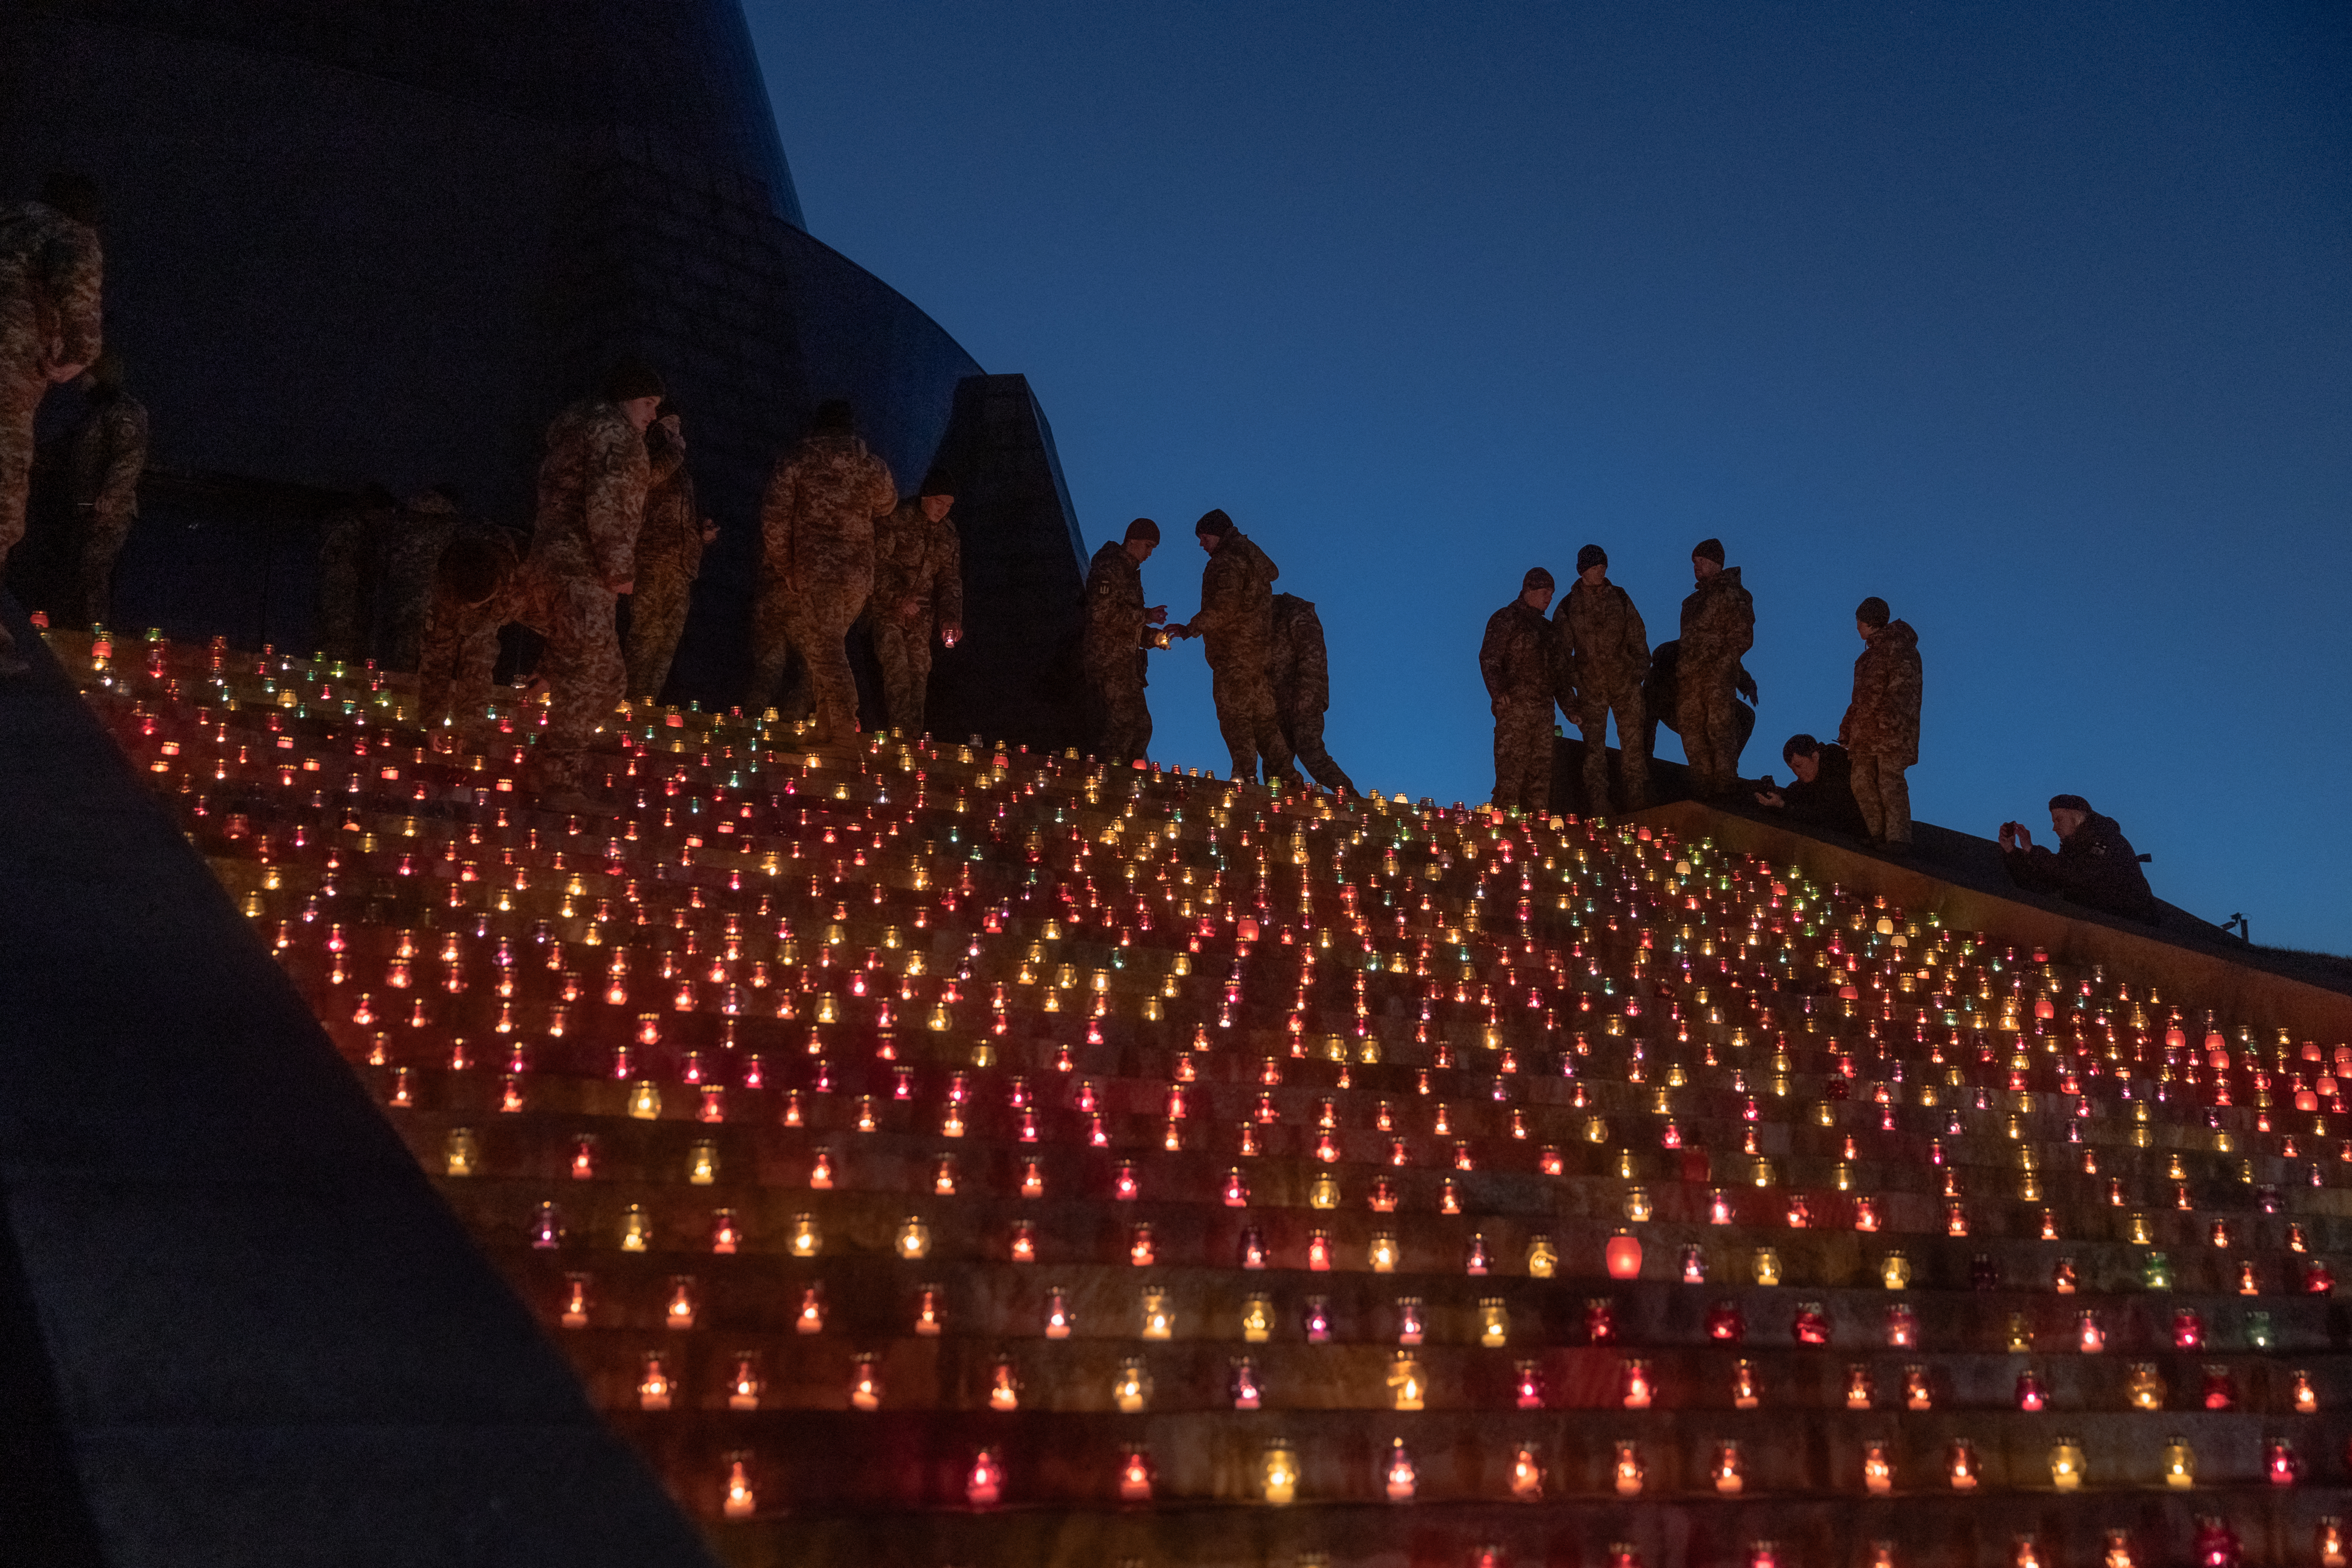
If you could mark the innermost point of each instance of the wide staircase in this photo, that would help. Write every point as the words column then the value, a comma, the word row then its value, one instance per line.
column 957, row 1155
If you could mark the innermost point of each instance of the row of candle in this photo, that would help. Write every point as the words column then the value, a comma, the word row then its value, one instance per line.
column 1500, row 941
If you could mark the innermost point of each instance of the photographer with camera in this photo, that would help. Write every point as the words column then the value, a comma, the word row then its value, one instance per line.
column 2095, row 864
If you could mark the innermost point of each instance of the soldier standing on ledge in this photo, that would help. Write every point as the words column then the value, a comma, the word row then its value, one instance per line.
column 1718, row 625
column 1237, row 620
column 918, row 594
column 1516, row 659
column 51, row 277
column 1604, row 656
column 1881, row 727
column 669, row 558
column 1115, row 637
column 817, row 568
column 106, row 453
column 592, row 500
column 1300, row 671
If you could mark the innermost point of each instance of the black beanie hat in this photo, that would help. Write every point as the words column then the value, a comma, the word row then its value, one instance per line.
column 630, row 379
column 1144, row 527
column 1873, row 612
column 1708, row 550
column 938, row 482
column 1588, row 557
column 1214, row 522
column 2071, row 803
column 833, row 418
column 1537, row 577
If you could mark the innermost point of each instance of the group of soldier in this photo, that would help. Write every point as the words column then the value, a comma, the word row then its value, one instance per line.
column 1270, row 677
column 1592, row 658
column 615, row 516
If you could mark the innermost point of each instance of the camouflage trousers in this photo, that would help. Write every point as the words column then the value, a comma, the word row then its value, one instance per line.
column 1119, row 716
column 103, row 527
column 903, row 648
column 1245, row 718
column 581, row 665
column 21, row 389
column 657, row 621
column 1302, row 730
column 1710, row 729
column 1884, row 796
column 1523, row 757
column 771, row 655
column 817, row 619
column 1633, row 745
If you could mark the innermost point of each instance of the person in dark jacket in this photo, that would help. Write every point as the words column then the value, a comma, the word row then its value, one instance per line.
column 1822, row 794
column 2095, row 864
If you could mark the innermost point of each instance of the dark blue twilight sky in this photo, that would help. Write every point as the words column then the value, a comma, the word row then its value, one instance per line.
column 2035, row 320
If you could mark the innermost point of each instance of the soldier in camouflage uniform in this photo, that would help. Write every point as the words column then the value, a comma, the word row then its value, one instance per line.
column 591, row 498
column 1516, row 660
column 349, row 556
column 474, row 596
column 1114, row 642
column 105, row 456
column 1237, row 620
column 816, row 567
column 1299, row 670
column 669, row 558
column 918, row 594
column 1603, row 657
column 1881, row 727
column 1718, row 625
column 50, row 276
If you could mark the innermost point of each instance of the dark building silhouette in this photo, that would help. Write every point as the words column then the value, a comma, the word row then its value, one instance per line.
column 387, row 239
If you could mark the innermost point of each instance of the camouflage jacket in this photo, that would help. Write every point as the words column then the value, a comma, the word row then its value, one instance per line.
column 915, row 558
column 817, row 521
column 1718, row 623
column 1884, row 720
column 107, row 455
column 671, row 537
column 1236, row 618
column 1298, row 664
column 1515, row 657
column 591, row 494
column 1602, row 648
column 1113, row 607
column 51, row 272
